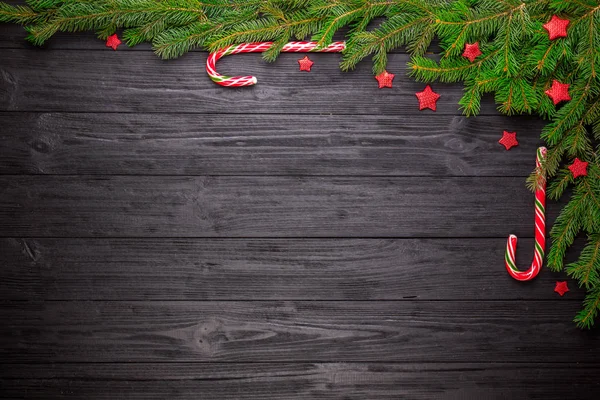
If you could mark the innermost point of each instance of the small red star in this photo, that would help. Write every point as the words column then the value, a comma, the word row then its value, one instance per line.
column 578, row 168
column 472, row 51
column 556, row 27
column 113, row 41
column 385, row 79
column 558, row 92
column 509, row 139
column 427, row 98
column 305, row 64
column 561, row 288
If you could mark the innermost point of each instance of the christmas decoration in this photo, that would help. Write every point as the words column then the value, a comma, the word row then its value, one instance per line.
column 578, row 168
column 472, row 51
column 259, row 47
column 561, row 288
column 427, row 98
column 522, row 54
column 540, row 228
column 509, row 140
column 113, row 41
column 559, row 92
column 385, row 79
column 556, row 27
column 305, row 64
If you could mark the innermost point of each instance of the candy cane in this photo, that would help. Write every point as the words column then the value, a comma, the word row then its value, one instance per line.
column 540, row 228
column 259, row 47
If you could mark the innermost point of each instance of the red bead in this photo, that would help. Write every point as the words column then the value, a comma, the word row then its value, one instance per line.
column 305, row 64
column 472, row 51
column 385, row 79
column 556, row 27
column 427, row 98
column 578, row 168
column 561, row 288
column 559, row 92
column 113, row 41
column 509, row 139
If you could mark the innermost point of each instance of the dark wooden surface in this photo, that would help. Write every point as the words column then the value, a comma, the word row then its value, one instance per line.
column 311, row 237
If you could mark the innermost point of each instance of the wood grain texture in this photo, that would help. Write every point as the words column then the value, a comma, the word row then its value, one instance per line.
column 273, row 269
column 400, row 331
column 93, row 81
column 164, row 238
column 155, row 144
column 286, row 381
column 126, row 206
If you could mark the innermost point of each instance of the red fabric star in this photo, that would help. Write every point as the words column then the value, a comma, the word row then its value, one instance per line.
column 305, row 64
column 385, row 79
column 113, row 41
column 558, row 92
column 578, row 168
column 561, row 288
column 427, row 98
column 472, row 51
column 556, row 27
column 509, row 139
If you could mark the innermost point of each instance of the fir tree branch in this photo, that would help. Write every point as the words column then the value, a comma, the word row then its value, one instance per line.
column 591, row 307
column 587, row 269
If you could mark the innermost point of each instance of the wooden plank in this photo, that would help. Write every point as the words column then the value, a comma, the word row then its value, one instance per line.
column 108, row 81
column 286, row 381
column 266, row 269
column 166, row 206
column 155, row 144
column 314, row 331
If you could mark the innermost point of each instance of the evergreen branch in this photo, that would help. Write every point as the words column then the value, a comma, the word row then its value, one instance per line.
column 426, row 70
column 347, row 16
column 591, row 307
column 587, row 269
column 17, row 14
column 568, row 116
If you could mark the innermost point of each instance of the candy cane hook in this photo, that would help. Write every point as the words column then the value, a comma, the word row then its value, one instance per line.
column 259, row 47
column 540, row 228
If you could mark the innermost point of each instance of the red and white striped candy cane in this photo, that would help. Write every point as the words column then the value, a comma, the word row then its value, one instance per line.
column 540, row 228
column 259, row 47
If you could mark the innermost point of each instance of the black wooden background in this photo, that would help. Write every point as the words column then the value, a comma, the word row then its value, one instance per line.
column 311, row 237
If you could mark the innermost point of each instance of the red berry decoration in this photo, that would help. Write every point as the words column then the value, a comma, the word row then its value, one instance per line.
column 385, row 79
column 472, row 51
column 427, row 98
column 509, row 139
column 561, row 288
column 113, row 41
column 559, row 92
column 556, row 27
column 578, row 168
column 305, row 64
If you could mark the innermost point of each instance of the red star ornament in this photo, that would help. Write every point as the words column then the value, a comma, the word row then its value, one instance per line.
column 559, row 92
column 509, row 139
column 427, row 98
column 556, row 27
column 385, row 79
column 561, row 288
column 113, row 41
column 305, row 64
column 578, row 168
column 472, row 51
